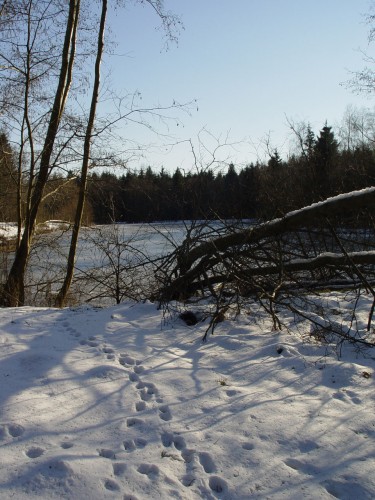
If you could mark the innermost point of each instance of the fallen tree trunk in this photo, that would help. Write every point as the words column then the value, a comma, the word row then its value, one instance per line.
column 349, row 203
column 285, row 245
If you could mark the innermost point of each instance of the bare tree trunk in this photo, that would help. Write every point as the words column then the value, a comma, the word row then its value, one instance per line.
column 13, row 293
column 61, row 296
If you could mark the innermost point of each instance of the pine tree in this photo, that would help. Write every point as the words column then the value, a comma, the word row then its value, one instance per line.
column 325, row 155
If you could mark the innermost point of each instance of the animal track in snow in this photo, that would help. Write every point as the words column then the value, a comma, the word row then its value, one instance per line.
column 133, row 377
column 206, row 462
column 140, row 406
column 164, row 413
column 131, row 422
column 339, row 488
column 119, row 468
column 248, row 446
column 144, row 395
column 126, row 360
column 187, row 480
column 13, row 430
column 188, row 455
column 217, row 484
column 150, row 470
column 138, row 369
column 168, row 439
column 107, row 453
column 34, row 452
column 307, row 446
column 65, row 445
column 232, row 392
column 111, row 485
column 131, row 445
column 300, row 466
column 92, row 343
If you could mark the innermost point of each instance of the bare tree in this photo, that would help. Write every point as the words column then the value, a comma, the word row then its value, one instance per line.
column 51, row 135
column 13, row 291
column 169, row 22
column 61, row 296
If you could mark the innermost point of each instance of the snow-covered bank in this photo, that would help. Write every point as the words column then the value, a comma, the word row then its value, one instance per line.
column 119, row 403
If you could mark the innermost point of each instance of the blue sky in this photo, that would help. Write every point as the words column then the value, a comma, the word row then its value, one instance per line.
column 248, row 63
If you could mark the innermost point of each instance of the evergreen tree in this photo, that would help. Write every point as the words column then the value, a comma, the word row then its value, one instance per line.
column 275, row 160
column 325, row 156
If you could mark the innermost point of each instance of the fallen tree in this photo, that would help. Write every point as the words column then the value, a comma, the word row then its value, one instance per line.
column 329, row 245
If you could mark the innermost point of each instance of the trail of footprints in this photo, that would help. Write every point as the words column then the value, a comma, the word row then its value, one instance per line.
column 174, row 445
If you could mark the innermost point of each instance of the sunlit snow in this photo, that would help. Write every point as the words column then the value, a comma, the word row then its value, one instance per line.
column 127, row 403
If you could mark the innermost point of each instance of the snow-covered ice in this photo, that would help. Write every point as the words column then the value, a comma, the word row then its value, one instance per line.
column 123, row 403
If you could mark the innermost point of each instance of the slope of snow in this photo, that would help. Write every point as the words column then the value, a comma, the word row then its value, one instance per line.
column 123, row 403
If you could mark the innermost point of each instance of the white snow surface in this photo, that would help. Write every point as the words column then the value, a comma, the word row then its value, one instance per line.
column 8, row 230
column 123, row 403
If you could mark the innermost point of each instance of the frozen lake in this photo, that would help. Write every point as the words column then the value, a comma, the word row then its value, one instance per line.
column 109, row 258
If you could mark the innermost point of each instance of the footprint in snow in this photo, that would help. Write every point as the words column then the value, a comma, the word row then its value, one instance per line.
column 119, row 468
column 111, row 485
column 90, row 343
column 15, row 430
column 131, row 445
column 231, row 393
column 147, row 389
column 131, row 422
column 339, row 488
column 354, row 397
column 65, row 445
column 206, row 462
column 168, row 439
column 107, row 453
column 34, row 452
column 187, row 480
column 133, row 377
column 307, row 446
column 346, row 395
column 217, row 484
column 150, row 470
column 140, row 406
column 300, row 466
column 124, row 359
column 164, row 413
column 248, row 446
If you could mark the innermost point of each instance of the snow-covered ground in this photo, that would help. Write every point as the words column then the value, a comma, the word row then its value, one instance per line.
column 123, row 403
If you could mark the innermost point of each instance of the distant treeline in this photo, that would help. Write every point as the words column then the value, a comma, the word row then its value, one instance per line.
column 322, row 167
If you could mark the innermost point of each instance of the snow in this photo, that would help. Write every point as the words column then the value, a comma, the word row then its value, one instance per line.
column 8, row 230
column 126, row 402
